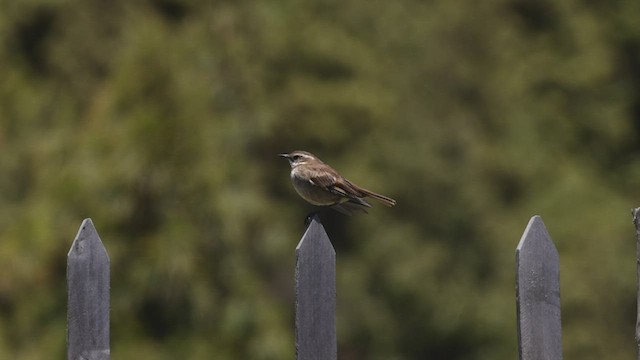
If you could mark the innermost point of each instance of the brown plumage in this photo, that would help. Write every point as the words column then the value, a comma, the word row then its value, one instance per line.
column 319, row 184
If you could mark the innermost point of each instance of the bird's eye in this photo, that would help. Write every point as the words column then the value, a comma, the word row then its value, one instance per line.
column 296, row 157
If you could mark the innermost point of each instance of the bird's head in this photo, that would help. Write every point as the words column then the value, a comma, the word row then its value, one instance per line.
column 299, row 157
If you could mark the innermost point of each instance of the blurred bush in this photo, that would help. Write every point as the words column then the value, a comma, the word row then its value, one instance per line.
column 160, row 119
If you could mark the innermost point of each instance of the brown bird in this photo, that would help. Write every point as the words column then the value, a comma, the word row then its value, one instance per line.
column 319, row 184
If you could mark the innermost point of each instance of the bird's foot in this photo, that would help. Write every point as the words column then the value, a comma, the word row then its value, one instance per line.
column 309, row 218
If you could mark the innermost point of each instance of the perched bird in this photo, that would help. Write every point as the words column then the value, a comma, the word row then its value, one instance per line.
column 319, row 184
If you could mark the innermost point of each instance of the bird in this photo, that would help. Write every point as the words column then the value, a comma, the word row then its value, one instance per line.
column 321, row 185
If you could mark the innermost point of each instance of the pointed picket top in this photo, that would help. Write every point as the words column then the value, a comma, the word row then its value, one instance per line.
column 538, row 294
column 87, row 237
column 88, row 296
column 315, row 295
column 315, row 230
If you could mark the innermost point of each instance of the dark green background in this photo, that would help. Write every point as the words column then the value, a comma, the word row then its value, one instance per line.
column 161, row 120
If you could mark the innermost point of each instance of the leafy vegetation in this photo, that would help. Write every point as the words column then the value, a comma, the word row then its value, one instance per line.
column 160, row 119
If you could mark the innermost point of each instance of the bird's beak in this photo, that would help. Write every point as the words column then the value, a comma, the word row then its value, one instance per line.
column 286, row 156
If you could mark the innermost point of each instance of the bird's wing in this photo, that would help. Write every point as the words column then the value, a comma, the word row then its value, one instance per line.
column 323, row 179
column 336, row 184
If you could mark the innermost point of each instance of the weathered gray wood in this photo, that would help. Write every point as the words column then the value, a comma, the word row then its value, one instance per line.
column 88, row 296
column 538, row 294
column 636, row 222
column 315, row 295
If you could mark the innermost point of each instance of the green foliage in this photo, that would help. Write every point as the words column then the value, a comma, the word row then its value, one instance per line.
column 160, row 119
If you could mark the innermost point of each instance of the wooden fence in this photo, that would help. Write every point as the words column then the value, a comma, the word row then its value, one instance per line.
column 537, row 295
column 87, row 296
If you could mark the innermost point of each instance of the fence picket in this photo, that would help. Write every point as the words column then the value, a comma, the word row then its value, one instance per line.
column 636, row 222
column 88, row 296
column 315, row 295
column 538, row 294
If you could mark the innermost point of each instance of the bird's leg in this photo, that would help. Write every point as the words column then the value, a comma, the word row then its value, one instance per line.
column 307, row 220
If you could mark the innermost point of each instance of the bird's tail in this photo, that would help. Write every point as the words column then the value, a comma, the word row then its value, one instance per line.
column 350, row 207
column 383, row 199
